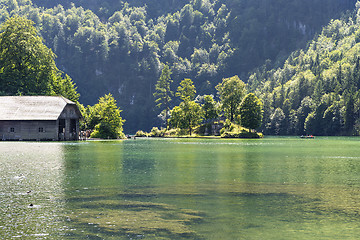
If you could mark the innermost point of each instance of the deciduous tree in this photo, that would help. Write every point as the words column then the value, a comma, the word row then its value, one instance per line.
column 27, row 66
column 210, row 107
column 251, row 112
column 193, row 114
column 186, row 116
column 231, row 91
column 189, row 113
column 277, row 121
column 106, row 119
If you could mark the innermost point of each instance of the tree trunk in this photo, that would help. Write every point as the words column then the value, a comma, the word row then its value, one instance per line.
column 190, row 127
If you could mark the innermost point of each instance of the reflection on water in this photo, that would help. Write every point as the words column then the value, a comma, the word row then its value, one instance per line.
column 31, row 191
column 275, row 188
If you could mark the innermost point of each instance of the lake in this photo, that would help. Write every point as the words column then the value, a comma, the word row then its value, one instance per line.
column 271, row 188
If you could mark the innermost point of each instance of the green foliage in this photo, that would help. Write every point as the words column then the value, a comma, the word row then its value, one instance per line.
column 231, row 91
column 156, row 132
column 177, row 116
column 186, row 91
column 193, row 115
column 350, row 117
column 189, row 113
column 228, row 126
column 186, row 116
column 163, row 92
column 133, row 41
column 242, row 134
column 141, row 133
column 277, row 121
column 120, row 47
column 209, row 105
column 174, row 133
column 320, row 85
column 104, row 130
column 251, row 112
column 105, row 118
column 27, row 65
column 232, row 130
column 65, row 87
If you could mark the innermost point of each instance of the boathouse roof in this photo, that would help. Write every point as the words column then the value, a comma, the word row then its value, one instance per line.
column 15, row 108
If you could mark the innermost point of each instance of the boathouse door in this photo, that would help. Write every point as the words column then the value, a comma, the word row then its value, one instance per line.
column 62, row 127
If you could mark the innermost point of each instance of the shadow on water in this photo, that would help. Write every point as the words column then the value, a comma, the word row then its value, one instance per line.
column 124, row 218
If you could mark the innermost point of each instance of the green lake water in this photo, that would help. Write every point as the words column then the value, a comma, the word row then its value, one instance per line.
column 271, row 188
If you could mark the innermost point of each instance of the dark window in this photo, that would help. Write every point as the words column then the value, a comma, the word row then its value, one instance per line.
column 73, row 125
column 41, row 129
column 12, row 129
column 61, row 125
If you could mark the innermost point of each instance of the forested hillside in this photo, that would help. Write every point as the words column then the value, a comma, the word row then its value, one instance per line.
column 111, row 46
column 317, row 91
column 105, row 8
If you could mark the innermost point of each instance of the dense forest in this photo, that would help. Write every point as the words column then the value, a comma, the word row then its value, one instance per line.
column 112, row 46
column 317, row 90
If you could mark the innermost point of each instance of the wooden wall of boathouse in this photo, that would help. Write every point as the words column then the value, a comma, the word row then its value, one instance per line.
column 28, row 130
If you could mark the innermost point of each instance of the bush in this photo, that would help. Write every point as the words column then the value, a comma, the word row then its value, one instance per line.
column 156, row 132
column 175, row 132
column 105, row 131
column 242, row 134
column 141, row 133
column 231, row 130
column 228, row 127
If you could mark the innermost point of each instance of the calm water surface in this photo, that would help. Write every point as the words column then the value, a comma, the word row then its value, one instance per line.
column 273, row 188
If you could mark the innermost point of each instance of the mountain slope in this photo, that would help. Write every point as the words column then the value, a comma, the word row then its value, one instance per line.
column 119, row 47
column 317, row 90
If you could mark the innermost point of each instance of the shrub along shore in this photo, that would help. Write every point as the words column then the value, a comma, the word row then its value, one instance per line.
column 219, row 129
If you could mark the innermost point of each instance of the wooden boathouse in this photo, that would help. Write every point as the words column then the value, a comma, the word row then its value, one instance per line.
column 38, row 118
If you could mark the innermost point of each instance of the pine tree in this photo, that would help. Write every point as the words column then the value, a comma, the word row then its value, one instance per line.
column 163, row 92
